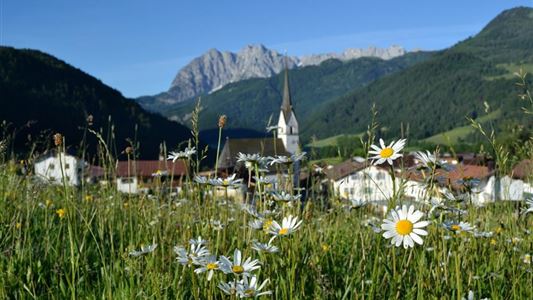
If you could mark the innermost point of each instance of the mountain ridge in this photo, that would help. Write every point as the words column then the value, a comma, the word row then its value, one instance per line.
column 215, row 69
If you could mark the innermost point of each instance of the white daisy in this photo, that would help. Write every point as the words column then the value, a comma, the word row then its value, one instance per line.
column 459, row 227
column 289, row 225
column 285, row 197
column 386, row 153
column 238, row 266
column 256, row 224
column 193, row 257
column 264, row 247
column 229, row 288
column 529, row 208
column 251, row 160
column 286, row 160
column 426, row 160
column 226, row 182
column 208, row 264
column 143, row 250
column 198, row 241
column 357, row 203
column 403, row 226
column 185, row 154
column 249, row 289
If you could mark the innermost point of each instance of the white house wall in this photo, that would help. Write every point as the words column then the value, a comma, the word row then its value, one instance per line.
column 370, row 184
column 53, row 168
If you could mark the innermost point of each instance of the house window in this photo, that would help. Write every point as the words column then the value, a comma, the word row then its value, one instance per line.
column 367, row 190
column 352, row 191
column 52, row 166
column 355, row 176
column 381, row 176
column 67, row 166
column 290, row 130
column 52, row 179
column 68, row 178
column 126, row 180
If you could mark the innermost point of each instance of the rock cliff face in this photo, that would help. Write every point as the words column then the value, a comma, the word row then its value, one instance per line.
column 215, row 69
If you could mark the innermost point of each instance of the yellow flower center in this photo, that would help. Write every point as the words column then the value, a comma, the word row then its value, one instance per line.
column 249, row 292
column 212, row 266
column 266, row 225
column 60, row 213
column 455, row 227
column 283, row 231
column 237, row 269
column 493, row 242
column 225, row 182
column 404, row 227
column 386, row 152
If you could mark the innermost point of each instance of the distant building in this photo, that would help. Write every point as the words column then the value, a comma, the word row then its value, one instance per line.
column 137, row 176
column 59, row 168
column 360, row 180
column 263, row 146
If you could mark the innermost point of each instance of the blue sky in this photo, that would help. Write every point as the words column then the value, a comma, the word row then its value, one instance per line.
column 137, row 47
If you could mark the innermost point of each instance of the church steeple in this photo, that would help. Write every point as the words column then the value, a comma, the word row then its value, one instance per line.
column 286, row 105
column 287, row 124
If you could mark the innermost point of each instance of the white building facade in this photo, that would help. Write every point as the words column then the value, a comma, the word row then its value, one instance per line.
column 59, row 168
column 369, row 184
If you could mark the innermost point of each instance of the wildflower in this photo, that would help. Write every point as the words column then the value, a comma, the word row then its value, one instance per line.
column 144, row 250
column 229, row 288
column 249, row 289
column 217, row 225
column 198, row 241
column 227, row 182
column 185, row 154
column 483, row 234
column 265, row 180
column 264, row 247
column 459, row 227
column 529, row 208
column 256, row 224
column 18, row 225
column 289, row 225
column 386, row 153
column 493, row 242
column 201, row 180
column 403, row 226
column 194, row 256
column 88, row 198
column 222, row 121
column 287, row 160
column 58, row 139
column 208, row 264
column 325, row 247
column 61, row 213
column 357, row 203
column 527, row 259
column 250, row 160
column 285, row 197
column 238, row 266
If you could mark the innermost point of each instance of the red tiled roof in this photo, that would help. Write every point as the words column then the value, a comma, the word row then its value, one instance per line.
column 146, row 168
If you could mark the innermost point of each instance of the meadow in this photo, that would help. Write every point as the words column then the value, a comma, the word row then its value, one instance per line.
column 89, row 242
column 63, row 242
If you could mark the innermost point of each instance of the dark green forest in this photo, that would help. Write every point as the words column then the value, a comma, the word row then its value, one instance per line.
column 42, row 95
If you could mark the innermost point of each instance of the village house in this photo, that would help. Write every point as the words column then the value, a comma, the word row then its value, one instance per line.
column 59, row 168
column 357, row 179
column 136, row 176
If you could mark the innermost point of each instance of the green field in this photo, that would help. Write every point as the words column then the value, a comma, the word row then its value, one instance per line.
column 332, row 141
column 455, row 135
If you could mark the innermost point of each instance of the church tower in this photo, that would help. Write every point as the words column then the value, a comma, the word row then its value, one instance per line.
column 287, row 124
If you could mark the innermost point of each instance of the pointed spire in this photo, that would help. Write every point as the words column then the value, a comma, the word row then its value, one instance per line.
column 286, row 105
